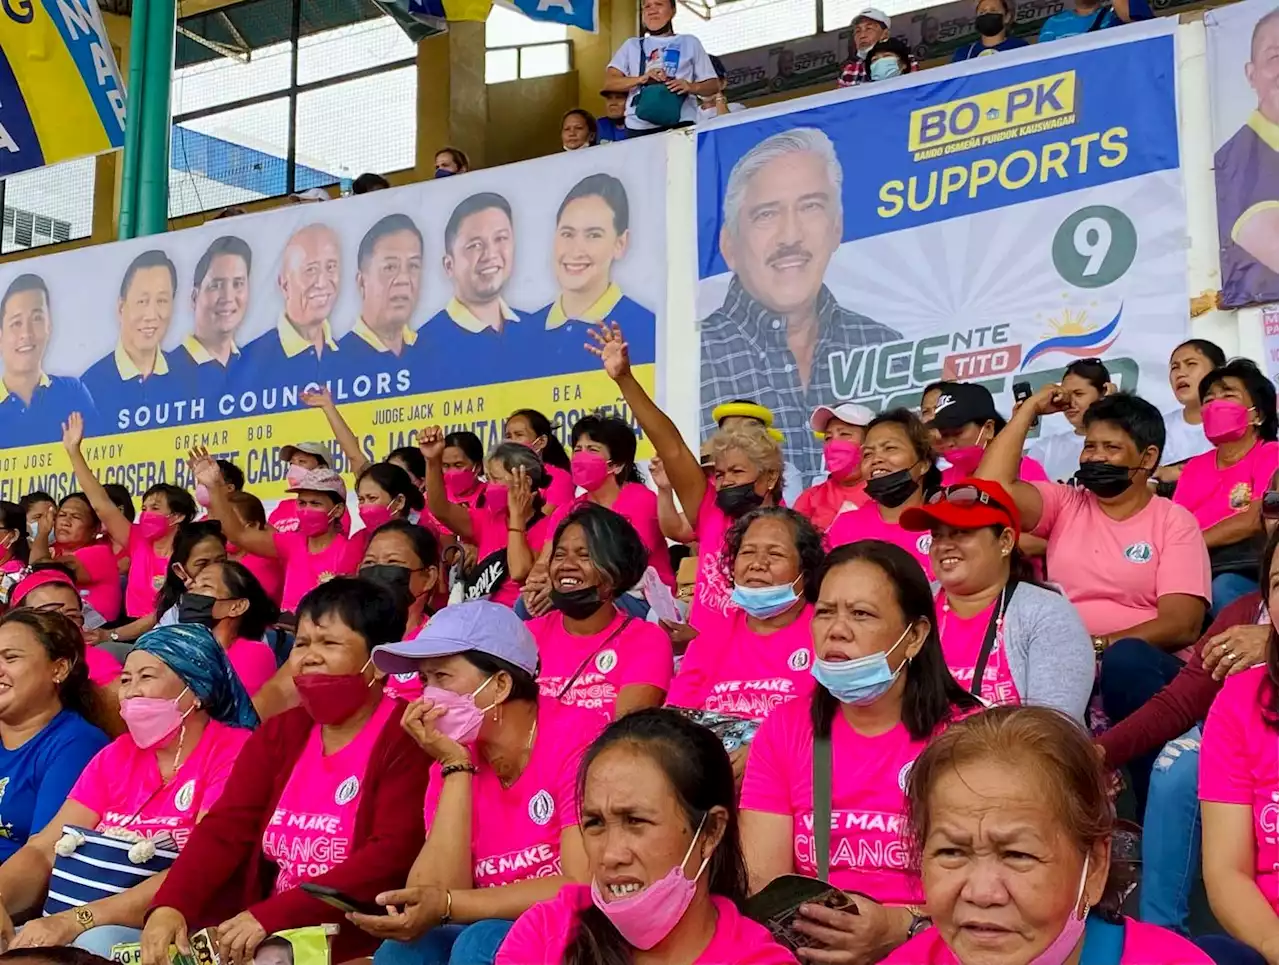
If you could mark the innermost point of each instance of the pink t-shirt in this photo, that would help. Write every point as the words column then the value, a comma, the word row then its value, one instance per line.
column 312, row 827
column 868, row 774
column 596, row 668
column 122, row 784
column 638, row 505
column 962, row 640
column 103, row 668
column 1213, row 494
column 515, row 831
column 867, row 523
column 1143, row 945
column 305, row 570
column 406, row 686
column 146, row 574
column 489, row 530
column 268, row 571
column 1029, row 470
column 102, row 590
column 822, row 503
column 543, row 933
column 561, row 488
column 1115, row 571
column 711, row 587
column 254, row 663
column 1238, row 765
column 731, row 670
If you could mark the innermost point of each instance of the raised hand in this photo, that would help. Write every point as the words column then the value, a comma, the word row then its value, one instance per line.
column 431, row 442
column 318, row 398
column 519, row 496
column 658, row 472
column 204, row 468
column 73, row 431
column 611, row 348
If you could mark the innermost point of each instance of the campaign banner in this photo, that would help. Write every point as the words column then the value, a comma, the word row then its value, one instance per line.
column 1245, row 104
column 451, row 302
column 1008, row 216
column 1269, row 320
column 61, row 96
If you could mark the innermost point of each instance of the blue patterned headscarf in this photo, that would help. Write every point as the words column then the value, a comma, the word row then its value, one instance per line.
column 190, row 651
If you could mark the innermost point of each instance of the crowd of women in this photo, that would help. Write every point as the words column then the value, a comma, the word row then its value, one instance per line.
column 530, row 709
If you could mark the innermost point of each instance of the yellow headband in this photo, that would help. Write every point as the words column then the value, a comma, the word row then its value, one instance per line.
column 746, row 410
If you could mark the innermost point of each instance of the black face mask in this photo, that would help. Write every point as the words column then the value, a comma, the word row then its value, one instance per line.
column 1104, row 479
column 391, row 577
column 989, row 24
column 196, row 608
column 577, row 604
column 892, row 489
column 737, row 501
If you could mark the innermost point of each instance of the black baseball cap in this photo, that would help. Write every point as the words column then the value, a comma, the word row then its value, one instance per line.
column 961, row 403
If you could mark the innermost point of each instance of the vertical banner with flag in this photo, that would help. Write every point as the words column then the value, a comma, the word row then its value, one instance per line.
column 61, row 96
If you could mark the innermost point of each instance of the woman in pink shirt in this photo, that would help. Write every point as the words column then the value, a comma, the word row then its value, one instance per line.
column 49, row 586
column 842, row 429
column 230, row 601
column 268, row 570
column 746, row 474
column 594, row 655
column 1239, row 798
column 899, row 472
column 384, row 492
column 883, row 690
column 532, row 429
column 463, row 462
column 965, row 421
column 72, row 535
column 404, row 559
column 1010, row 823
column 509, row 525
column 1223, row 487
column 501, row 808
column 659, row 820
column 188, row 717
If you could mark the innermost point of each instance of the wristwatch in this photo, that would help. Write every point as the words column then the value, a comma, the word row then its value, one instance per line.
column 919, row 922
column 114, row 636
column 1099, row 644
column 84, row 917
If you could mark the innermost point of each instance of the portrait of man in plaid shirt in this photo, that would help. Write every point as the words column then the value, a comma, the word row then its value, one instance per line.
column 773, row 338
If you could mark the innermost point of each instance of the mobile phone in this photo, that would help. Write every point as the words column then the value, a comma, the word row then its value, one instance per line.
column 1022, row 392
column 336, row 899
column 1270, row 504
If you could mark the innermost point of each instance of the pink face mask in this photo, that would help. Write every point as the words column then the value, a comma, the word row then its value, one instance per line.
column 152, row 720
column 1060, row 948
column 495, row 498
column 202, row 495
column 843, row 458
column 965, row 459
column 294, row 476
column 459, row 484
column 152, row 525
column 373, row 515
column 1225, row 420
column 589, row 469
column 647, row 917
column 312, row 521
column 462, row 719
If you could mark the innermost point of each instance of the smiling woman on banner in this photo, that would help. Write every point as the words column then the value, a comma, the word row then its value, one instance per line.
column 656, row 796
column 593, row 654
column 321, row 793
column 900, row 472
column 747, row 474
column 500, row 807
column 188, row 719
column 883, row 691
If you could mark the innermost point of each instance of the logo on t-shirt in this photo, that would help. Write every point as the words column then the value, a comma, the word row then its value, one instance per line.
column 606, row 660
column 1240, row 498
column 1139, row 552
column 157, row 581
column 326, row 575
column 542, row 807
column 799, row 660
column 185, row 797
column 347, row 790
column 924, row 542
column 904, row 775
column 404, row 678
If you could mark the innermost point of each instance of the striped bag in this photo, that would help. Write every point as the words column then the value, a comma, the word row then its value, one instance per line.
column 89, row 865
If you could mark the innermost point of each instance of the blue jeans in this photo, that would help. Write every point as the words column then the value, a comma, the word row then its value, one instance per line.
column 1227, row 588
column 1133, row 671
column 103, row 938
column 1225, row 950
column 475, row 944
column 1171, row 835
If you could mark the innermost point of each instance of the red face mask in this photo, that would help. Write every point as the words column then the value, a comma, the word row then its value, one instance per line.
column 332, row 698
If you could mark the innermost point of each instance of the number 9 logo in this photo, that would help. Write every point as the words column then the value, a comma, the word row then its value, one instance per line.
column 1095, row 246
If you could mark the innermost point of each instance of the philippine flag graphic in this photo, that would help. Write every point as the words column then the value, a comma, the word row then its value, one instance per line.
column 1074, row 337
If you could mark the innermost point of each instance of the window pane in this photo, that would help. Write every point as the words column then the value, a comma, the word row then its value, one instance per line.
column 229, row 158
column 544, row 60
column 506, row 28
column 222, row 81
column 500, row 65
column 744, row 24
column 48, row 205
column 361, row 125
column 348, row 49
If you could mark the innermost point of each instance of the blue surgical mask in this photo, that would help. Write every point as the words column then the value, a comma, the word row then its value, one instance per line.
column 860, row 681
column 444, row 173
column 763, row 602
column 33, row 527
column 885, row 67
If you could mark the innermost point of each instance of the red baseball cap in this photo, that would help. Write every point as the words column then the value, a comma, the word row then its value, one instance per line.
column 967, row 504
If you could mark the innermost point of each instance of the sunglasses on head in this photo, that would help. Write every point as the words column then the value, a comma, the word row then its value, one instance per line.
column 966, row 494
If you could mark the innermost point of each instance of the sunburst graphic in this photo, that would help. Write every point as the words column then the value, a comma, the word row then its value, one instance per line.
column 1070, row 322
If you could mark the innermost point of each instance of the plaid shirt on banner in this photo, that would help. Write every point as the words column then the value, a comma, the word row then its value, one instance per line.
column 745, row 356
column 854, row 72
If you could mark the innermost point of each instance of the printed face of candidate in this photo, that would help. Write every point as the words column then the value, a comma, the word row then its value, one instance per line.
column 309, row 278
column 24, row 333
column 481, row 259
column 222, row 298
column 1263, row 69
column 146, row 310
column 389, row 283
column 586, row 245
column 788, row 228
